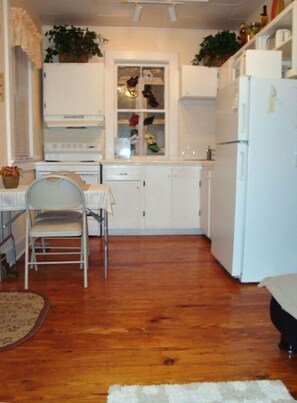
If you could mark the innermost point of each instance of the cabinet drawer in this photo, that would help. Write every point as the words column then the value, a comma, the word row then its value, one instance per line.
column 122, row 173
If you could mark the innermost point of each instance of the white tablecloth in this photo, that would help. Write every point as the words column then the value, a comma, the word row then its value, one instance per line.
column 97, row 197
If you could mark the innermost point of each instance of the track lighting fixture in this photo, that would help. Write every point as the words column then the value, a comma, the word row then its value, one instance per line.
column 137, row 12
column 172, row 13
column 170, row 3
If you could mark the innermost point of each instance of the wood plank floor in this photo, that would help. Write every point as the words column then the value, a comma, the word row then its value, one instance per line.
column 168, row 313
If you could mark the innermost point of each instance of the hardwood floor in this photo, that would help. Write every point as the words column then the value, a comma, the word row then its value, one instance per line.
column 169, row 313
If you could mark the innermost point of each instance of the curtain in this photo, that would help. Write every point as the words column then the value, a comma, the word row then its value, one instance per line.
column 25, row 34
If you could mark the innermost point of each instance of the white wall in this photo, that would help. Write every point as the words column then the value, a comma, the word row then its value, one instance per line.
column 196, row 119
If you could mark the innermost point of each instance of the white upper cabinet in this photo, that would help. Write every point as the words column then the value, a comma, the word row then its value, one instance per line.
column 73, row 94
column 199, row 82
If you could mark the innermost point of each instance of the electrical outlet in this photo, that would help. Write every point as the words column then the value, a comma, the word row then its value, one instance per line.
column 1, row 87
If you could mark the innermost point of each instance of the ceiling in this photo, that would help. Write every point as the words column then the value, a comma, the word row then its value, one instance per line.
column 192, row 14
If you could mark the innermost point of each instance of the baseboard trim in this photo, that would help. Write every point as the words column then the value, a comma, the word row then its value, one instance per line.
column 155, row 231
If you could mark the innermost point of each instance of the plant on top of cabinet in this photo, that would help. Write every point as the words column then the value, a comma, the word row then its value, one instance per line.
column 73, row 44
column 216, row 49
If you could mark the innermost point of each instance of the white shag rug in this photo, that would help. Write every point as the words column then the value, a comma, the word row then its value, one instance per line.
column 261, row 391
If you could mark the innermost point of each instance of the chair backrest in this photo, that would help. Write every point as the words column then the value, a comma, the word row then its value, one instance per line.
column 73, row 176
column 54, row 192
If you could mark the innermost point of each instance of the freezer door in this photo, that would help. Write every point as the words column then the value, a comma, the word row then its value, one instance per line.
column 232, row 114
column 228, row 206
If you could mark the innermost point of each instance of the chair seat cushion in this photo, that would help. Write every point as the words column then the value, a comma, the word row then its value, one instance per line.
column 58, row 215
column 58, row 227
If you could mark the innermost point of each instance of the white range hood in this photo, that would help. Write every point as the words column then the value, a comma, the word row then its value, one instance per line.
column 73, row 120
column 73, row 94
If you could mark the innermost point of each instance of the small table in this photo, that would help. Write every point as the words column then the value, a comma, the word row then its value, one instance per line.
column 98, row 198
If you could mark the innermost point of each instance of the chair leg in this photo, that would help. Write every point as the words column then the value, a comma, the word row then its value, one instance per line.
column 27, row 246
column 85, row 248
column 33, row 254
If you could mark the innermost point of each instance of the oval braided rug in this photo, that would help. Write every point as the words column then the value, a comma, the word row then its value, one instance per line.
column 21, row 315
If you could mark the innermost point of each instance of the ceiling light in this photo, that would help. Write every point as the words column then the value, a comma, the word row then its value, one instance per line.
column 172, row 13
column 137, row 12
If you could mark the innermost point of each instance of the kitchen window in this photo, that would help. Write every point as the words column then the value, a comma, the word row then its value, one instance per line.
column 141, row 105
column 22, row 127
column 141, row 111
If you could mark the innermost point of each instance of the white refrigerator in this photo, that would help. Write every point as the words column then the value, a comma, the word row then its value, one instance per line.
column 254, row 192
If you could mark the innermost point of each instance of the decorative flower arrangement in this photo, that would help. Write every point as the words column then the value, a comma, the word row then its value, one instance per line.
column 10, row 171
column 134, row 136
column 149, row 137
column 151, row 142
column 10, row 176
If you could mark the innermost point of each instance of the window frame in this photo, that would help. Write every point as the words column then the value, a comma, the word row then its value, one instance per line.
column 15, row 153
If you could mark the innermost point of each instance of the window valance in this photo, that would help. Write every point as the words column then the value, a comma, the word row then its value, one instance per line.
column 25, row 34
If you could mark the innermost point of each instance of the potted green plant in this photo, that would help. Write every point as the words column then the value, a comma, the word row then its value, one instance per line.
column 216, row 49
column 10, row 176
column 72, row 44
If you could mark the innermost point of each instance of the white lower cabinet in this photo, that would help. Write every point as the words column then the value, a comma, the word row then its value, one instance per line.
column 205, row 200
column 186, row 197
column 127, row 188
column 158, row 200
column 154, row 199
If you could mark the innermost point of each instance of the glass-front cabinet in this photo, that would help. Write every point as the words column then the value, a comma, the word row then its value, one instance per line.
column 141, row 109
column 141, row 115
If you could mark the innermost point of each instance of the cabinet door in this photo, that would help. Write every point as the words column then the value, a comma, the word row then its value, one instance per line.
column 73, row 88
column 127, row 210
column 126, row 185
column 185, row 197
column 158, row 203
column 205, row 201
column 199, row 82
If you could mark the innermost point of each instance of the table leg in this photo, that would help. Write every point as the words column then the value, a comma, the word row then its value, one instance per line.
column 105, row 244
column 103, row 219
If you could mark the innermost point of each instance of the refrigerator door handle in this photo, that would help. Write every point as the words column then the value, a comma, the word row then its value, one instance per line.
column 242, row 117
column 233, row 142
column 241, row 167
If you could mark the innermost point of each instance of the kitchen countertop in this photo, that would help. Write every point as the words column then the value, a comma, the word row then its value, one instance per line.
column 154, row 161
